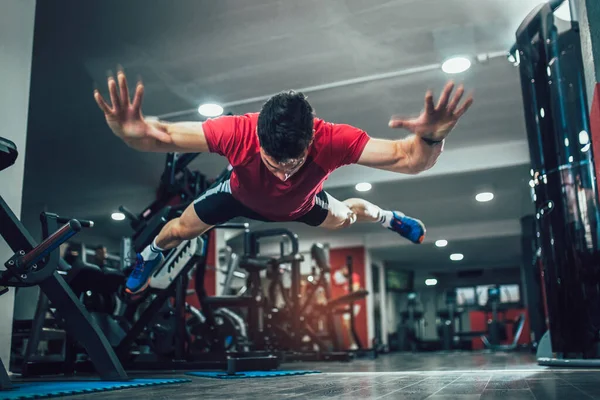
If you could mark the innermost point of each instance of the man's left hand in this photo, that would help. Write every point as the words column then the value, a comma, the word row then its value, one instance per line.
column 436, row 122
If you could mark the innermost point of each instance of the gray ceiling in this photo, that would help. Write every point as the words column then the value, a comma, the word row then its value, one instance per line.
column 190, row 51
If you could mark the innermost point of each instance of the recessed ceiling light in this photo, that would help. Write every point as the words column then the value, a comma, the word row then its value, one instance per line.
column 456, row 257
column 441, row 243
column 485, row 196
column 456, row 65
column 117, row 216
column 210, row 110
column 431, row 282
column 363, row 186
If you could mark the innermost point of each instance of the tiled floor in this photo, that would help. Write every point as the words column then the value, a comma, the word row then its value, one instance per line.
column 395, row 376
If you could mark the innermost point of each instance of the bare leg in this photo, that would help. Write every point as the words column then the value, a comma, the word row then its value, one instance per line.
column 346, row 213
column 343, row 214
column 364, row 211
column 186, row 227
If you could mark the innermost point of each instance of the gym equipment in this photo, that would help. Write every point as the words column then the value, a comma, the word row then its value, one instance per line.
column 353, row 296
column 496, row 331
column 93, row 285
column 301, row 329
column 209, row 339
column 564, row 183
column 491, row 337
column 532, row 280
column 448, row 320
column 180, row 335
column 34, row 264
column 409, row 329
column 178, row 186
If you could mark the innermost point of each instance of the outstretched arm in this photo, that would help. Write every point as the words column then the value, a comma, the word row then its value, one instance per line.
column 419, row 152
column 407, row 156
column 124, row 117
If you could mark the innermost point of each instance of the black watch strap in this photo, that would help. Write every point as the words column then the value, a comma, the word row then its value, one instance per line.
column 431, row 142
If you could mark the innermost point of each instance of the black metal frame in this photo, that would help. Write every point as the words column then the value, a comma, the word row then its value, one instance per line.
column 177, row 289
column 183, row 358
column 177, row 182
column 75, row 317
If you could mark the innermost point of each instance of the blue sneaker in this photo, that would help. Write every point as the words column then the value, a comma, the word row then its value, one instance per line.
column 140, row 277
column 408, row 227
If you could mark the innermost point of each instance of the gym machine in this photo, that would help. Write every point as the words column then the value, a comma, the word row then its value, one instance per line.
column 496, row 332
column 491, row 337
column 303, row 330
column 177, row 188
column 448, row 320
column 93, row 285
column 362, row 351
column 37, row 264
column 210, row 338
column 409, row 329
column 564, row 185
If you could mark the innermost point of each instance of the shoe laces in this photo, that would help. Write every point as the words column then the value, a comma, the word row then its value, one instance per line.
column 139, row 267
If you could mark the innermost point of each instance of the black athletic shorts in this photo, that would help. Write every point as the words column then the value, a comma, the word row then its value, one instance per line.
column 217, row 206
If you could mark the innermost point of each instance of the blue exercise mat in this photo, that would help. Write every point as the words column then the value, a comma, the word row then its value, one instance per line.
column 249, row 374
column 36, row 390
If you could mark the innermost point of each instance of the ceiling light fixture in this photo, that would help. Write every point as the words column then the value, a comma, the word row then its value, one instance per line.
column 363, row 187
column 210, row 110
column 456, row 65
column 441, row 243
column 431, row 282
column 117, row 216
column 484, row 197
column 456, row 257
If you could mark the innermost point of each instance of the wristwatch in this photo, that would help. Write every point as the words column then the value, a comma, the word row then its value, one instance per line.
column 431, row 142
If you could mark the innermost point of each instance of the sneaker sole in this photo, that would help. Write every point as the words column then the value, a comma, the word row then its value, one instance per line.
column 140, row 290
column 422, row 237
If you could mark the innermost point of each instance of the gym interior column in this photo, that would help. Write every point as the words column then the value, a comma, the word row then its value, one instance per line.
column 17, row 18
column 556, row 116
column 587, row 12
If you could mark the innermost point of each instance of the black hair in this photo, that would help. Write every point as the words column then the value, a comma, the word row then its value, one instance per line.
column 285, row 125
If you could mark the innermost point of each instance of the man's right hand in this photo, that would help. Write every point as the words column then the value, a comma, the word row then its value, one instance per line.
column 125, row 117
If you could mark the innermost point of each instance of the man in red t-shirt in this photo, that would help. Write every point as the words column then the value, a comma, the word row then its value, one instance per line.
column 279, row 160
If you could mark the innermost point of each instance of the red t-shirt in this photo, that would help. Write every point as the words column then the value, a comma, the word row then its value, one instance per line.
column 235, row 137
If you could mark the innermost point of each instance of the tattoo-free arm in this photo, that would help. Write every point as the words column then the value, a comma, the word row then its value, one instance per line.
column 411, row 155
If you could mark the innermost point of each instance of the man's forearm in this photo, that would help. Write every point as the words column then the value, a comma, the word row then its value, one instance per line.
column 151, row 145
column 420, row 154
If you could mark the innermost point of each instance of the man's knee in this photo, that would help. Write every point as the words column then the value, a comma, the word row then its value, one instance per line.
column 188, row 226
column 178, row 231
